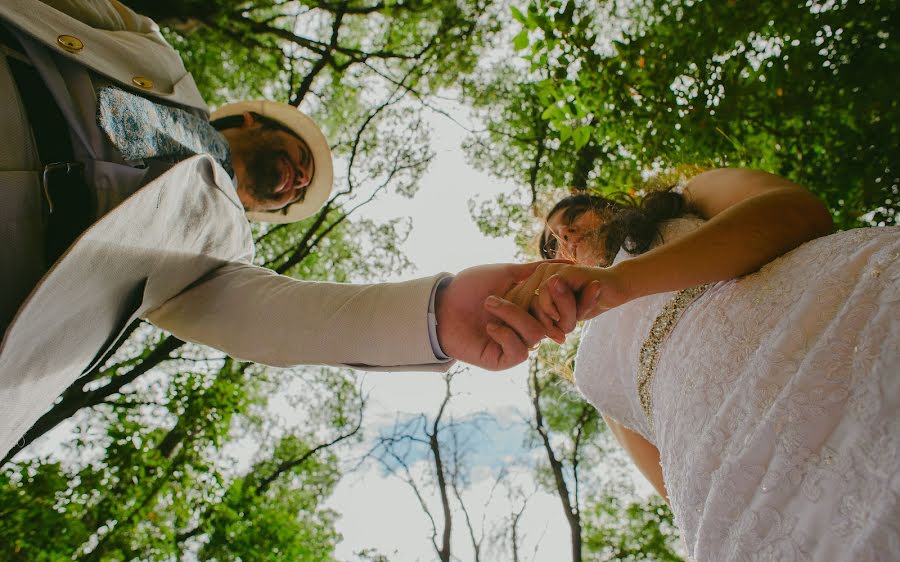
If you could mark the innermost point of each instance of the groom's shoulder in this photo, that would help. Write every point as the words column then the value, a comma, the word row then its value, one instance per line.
column 110, row 40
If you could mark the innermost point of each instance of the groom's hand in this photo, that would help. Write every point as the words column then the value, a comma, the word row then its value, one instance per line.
column 467, row 311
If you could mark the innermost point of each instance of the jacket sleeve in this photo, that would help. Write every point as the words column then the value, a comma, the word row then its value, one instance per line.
column 254, row 314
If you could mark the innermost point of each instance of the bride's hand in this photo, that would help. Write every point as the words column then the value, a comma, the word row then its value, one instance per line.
column 596, row 290
column 525, row 295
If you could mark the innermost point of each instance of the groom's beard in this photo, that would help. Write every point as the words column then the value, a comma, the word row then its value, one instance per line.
column 264, row 172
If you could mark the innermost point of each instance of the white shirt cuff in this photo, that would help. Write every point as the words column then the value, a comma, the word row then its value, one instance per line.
column 432, row 320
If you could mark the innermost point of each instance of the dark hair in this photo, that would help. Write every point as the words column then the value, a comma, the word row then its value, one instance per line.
column 237, row 121
column 627, row 223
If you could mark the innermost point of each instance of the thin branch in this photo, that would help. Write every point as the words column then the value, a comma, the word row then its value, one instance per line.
column 476, row 543
column 293, row 463
column 586, row 412
column 359, row 10
column 536, row 165
column 320, row 47
column 75, row 397
column 412, row 484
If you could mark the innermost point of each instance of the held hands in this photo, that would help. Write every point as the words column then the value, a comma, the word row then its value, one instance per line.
column 477, row 327
column 559, row 294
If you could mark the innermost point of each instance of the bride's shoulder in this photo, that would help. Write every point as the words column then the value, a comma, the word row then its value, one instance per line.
column 669, row 230
column 678, row 227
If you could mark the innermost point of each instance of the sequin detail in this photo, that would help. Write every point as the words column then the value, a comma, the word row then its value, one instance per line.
column 660, row 329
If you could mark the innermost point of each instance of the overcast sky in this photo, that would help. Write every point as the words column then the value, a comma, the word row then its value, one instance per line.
column 379, row 510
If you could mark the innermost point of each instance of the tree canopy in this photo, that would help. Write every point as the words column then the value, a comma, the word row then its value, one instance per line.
column 612, row 92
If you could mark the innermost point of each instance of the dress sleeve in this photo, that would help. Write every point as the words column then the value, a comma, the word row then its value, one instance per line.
column 254, row 314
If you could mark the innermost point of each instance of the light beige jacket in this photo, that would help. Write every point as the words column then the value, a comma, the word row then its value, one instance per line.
column 178, row 252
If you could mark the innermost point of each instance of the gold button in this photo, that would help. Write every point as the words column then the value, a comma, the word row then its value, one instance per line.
column 70, row 43
column 142, row 82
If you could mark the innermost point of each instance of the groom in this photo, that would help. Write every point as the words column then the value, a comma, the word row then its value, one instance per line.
column 122, row 201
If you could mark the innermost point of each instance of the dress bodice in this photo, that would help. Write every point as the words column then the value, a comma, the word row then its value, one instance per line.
column 774, row 401
column 607, row 360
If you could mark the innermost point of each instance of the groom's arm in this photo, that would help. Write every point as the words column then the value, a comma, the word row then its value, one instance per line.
column 253, row 314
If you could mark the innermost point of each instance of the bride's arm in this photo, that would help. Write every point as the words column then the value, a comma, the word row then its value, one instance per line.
column 752, row 217
column 644, row 455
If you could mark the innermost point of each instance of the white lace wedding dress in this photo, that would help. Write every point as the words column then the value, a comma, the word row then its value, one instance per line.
column 774, row 400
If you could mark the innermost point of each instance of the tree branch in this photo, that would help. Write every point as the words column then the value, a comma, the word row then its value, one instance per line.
column 75, row 397
column 562, row 490
column 293, row 463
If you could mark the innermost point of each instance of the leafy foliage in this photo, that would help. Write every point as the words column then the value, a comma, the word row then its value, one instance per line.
column 165, row 480
column 620, row 530
column 793, row 88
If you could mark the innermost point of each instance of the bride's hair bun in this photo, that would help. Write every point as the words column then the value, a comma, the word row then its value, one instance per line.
column 636, row 227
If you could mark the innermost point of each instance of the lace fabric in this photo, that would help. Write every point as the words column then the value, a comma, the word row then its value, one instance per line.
column 775, row 400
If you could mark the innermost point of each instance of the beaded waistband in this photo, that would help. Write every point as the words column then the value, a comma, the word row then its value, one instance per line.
column 660, row 329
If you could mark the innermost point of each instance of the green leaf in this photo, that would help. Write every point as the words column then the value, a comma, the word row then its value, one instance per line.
column 518, row 15
column 520, row 41
column 581, row 135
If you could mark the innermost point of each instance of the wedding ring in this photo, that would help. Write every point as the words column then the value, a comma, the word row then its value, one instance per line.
column 537, row 292
column 535, row 346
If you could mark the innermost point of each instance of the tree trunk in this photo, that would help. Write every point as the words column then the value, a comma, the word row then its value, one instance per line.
column 587, row 157
column 562, row 489
column 444, row 552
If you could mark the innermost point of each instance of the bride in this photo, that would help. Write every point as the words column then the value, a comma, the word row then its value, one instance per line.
column 747, row 362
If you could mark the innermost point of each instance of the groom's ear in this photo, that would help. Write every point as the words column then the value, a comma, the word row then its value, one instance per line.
column 248, row 120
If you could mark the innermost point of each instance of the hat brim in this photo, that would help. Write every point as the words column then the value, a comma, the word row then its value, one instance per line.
column 323, row 179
